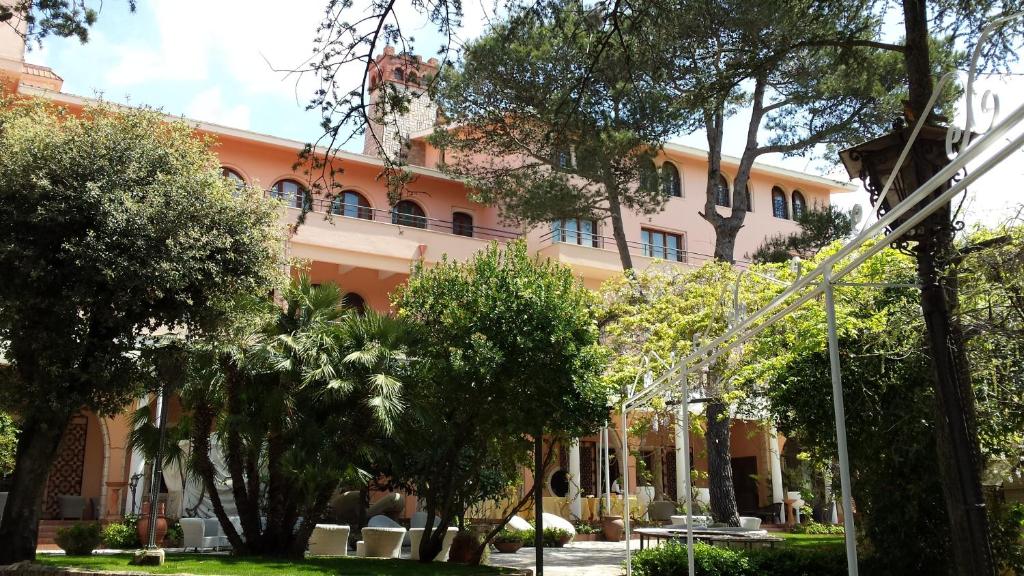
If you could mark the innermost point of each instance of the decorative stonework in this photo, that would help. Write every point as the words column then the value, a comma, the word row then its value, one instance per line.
column 69, row 467
column 388, row 134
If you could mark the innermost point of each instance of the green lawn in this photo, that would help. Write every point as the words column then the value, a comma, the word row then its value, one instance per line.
column 230, row 565
column 824, row 541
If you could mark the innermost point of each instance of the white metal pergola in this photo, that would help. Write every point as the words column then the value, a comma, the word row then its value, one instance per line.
column 987, row 151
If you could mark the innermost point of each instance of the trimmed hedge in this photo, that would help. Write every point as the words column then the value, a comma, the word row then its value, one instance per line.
column 670, row 560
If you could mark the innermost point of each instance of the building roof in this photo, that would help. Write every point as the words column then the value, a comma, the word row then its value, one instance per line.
column 762, row 168
column 227, row 131
column 297, row 146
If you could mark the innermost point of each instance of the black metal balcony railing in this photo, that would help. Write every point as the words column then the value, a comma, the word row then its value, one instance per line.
column 590, row 240
column 340, row 209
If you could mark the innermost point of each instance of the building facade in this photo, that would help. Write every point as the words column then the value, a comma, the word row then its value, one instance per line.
column 367, row 246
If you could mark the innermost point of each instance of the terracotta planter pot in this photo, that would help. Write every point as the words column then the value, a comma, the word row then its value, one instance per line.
column 161, row 524
column 564, row 539
column 508, row 547
column 612, row 527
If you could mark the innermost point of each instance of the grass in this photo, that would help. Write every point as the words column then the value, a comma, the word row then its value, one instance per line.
column 822, row 541
column 209, row 564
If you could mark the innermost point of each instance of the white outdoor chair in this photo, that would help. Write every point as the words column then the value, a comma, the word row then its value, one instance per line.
column 329, row 540
column 200, row 533
column 750, row 522
column 416, row 536
column 382, row 542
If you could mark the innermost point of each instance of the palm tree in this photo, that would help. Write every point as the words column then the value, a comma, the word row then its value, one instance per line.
column 299, row 398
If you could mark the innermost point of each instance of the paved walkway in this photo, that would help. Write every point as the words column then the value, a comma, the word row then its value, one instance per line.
column 576, row 559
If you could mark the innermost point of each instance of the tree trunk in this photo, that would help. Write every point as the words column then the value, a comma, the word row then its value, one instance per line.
column 720, row 482
column 956, row 428
column 41, row 433
column 658, row 470
column 202, row 423
column 619, row 231
column 538, row 500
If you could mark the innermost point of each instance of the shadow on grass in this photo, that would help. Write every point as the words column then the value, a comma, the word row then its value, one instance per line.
column 225, row 565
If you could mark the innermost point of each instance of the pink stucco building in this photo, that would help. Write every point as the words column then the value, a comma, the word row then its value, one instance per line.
column 368, row 246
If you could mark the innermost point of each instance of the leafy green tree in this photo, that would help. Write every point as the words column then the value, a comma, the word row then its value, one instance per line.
column 510, row 353
column 818, row 229
column 8, row 443
column 37, row 19
column 768, row 63
column 113, row 224
column 887, row 387
column 545, row 138
column 301, row 396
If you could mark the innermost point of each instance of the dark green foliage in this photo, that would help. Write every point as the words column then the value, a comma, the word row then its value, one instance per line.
column 79, row 539
column 8, row 443
column 512, row 536
column 301, row 396
column 502, row 329
column 63, row 18
column 114, row 223
column 817, row 528
column 553, row 537
column 584, row 117
column 818, row 228
column 1007, row 525
column 670, row 560
column 122, row 535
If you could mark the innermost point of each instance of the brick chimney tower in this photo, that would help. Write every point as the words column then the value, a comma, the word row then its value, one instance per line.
column 388, row 133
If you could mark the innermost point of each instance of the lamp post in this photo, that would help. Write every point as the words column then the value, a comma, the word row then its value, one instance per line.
column 880, row 164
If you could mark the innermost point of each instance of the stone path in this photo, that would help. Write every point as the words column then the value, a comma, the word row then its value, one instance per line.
column 576, row 559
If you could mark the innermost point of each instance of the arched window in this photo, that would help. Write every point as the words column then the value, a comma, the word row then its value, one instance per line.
column 799, row 204
column 352, row 204
column 671, row 184
column 722, row 195
column 399, row 74
column 462, row 224
column 354, row 301
column 408, row 213
column 293, row 194
column 234, row 177
column 780, row 208
column 648, row 176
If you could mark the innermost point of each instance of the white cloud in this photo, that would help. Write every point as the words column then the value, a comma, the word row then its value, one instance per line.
column 209, row 105
column 249, row 38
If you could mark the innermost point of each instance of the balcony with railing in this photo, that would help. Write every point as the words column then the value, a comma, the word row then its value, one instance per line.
column 597, row 257
column 387, row 240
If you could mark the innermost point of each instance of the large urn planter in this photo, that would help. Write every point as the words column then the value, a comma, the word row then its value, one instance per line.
column 509, row 546
column 612, row 527
column 143, row 525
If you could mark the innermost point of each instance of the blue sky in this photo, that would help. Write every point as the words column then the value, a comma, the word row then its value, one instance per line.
column 216, row 60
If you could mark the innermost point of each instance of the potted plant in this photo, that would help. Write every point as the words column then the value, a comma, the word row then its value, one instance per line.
column 508, row 541
column 79, row 539
column 612, row 527
column 556, row 537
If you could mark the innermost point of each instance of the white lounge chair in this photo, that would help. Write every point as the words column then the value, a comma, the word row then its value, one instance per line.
column 329, row 540
column 382, row 542
column 416, row 536
column 750, row 522
column 201, row 533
